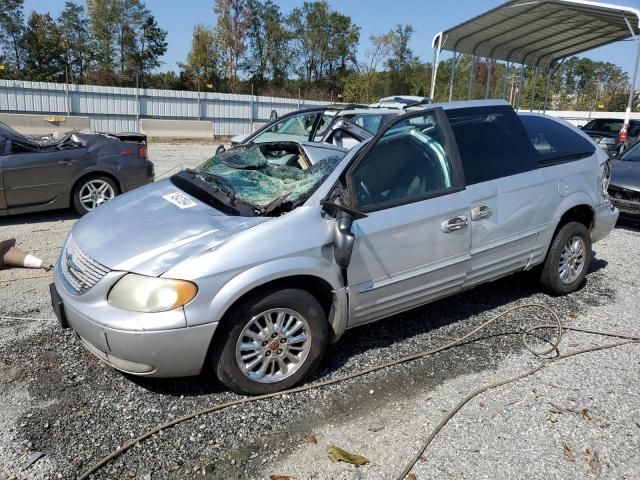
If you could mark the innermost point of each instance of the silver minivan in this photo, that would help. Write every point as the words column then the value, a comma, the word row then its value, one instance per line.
column 252, row 263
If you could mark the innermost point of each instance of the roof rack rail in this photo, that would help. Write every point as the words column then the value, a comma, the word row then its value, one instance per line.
column 426, row 101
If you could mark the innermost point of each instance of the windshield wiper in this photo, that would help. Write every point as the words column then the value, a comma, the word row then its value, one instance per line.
column 219, row 182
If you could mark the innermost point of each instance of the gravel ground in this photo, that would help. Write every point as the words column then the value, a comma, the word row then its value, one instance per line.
column 575, row 419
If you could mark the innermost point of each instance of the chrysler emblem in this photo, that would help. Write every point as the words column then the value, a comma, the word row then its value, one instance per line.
column 72, row 266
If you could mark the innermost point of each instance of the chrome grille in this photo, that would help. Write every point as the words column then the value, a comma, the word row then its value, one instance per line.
column 79, row 270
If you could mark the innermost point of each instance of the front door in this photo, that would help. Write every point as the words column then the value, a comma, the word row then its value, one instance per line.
column 36, row 177
column 413, row 246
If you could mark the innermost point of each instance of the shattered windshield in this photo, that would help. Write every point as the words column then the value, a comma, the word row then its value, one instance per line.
column 266, row 177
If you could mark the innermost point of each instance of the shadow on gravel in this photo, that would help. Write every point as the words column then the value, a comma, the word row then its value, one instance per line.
column 30, row 218
column 423, row 320
column 628, row 223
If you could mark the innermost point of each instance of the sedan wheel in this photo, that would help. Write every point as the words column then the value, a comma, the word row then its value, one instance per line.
column 93, row 192
column 270, row 342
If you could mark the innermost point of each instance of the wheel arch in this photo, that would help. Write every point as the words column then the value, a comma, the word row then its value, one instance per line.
column 93, row 173
column 312, row 275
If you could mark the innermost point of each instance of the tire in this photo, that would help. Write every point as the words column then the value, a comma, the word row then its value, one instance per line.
column 292, row 303
column 561, row 281
column 105, row 190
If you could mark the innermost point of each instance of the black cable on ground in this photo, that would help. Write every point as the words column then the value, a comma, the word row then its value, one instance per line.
column 526, row 333
column 472, row 395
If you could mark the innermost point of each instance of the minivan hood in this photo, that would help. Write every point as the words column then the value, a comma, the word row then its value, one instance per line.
column 144, row 232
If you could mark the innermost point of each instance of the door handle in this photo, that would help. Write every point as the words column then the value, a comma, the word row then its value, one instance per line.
column 455, row 223
column 478, row 213
column 65, row 162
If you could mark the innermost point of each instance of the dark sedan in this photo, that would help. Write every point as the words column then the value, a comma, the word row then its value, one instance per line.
column 81, row 170
column 624, row 188
column 608, row 134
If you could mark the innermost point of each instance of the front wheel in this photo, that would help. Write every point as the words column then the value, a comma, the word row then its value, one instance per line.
column 271, row 342
column 568, row 259
column 93, row 191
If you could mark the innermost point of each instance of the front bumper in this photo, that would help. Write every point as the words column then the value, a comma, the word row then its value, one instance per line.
column 604, row 220
column 173, row 352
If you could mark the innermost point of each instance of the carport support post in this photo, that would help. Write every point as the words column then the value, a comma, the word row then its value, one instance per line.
column 627, row 115
column 507, row 71
column 471, row 72
column 533, row 88
column 453, row 75
column 486, row 92
column 546, row 91
column 519, row 92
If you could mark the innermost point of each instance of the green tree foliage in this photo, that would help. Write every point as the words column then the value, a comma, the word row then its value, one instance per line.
column 268, row 53
column 73, row 23
column 203, row 61
column 231, row 27
column 11, row 31
column 44, row 48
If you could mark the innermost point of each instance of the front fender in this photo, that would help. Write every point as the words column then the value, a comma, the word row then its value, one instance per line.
column 278, row 269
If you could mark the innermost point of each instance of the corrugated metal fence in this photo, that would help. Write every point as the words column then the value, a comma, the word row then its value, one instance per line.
column 113, row 109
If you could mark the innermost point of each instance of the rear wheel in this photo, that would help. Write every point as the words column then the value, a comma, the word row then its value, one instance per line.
column 271, row 342
column 568, row 259
column 93, row 191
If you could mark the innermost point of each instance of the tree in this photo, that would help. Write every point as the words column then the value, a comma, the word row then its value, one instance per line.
column 203, row 62
column 103, row 16
column 402, row 59
column 44, row 47
column 268, row 44
column 152, row 45
column 11, row 31
column 74, row 28
column 131, row 15
column 233, row 18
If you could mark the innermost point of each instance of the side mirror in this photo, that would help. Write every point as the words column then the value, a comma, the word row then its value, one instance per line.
column 219, row 149
column 273, row 115
column 344, row 239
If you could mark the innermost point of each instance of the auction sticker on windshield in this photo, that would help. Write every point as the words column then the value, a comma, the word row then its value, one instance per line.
column 179, row 200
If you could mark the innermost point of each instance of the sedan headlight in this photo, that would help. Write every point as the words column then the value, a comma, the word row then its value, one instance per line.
column 607, row 141
column 151, row 294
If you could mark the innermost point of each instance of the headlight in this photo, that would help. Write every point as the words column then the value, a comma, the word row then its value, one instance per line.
column 607, row 141
column 150, row 294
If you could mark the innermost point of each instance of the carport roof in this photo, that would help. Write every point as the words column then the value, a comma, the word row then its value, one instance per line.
column 539, row 32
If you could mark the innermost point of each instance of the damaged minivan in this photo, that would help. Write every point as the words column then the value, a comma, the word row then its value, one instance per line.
column 250, row 264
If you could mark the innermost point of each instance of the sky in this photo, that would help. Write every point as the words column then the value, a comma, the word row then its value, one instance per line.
column 373, row 16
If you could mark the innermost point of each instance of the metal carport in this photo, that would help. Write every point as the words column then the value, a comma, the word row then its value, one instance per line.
column 539, row 34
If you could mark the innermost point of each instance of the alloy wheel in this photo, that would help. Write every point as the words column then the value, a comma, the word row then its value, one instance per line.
column 273, row 345
column 572, row 260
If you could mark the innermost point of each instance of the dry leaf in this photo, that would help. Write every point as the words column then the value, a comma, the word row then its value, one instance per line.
column 637, row 424
column 281, row 477
column 312, row 439
column 552, row 418
column 584, row 413
column 593, row 464
column 375, row 428
column 338, row 455
column 410, row 476
column 568, row 453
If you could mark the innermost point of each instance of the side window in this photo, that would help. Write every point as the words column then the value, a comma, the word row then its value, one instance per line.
column 296, row 127
column 370, row 122
column 492, row 143
column 325, row 121
column 555, row 142
column 20, row 148
column 408, row 163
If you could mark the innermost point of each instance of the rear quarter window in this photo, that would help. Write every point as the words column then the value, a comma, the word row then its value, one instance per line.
column 554, row 142
column 492, row 143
